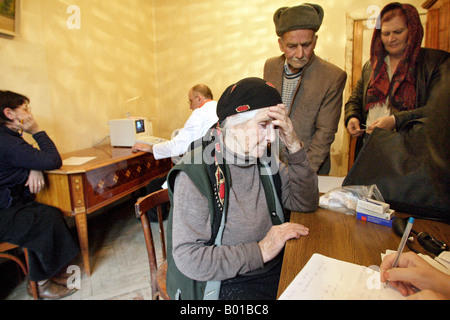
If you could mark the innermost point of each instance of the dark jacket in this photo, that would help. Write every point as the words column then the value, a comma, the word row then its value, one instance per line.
column 430, row 65
column 17, row 158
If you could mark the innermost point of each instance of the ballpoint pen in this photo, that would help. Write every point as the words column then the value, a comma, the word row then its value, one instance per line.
column 402, row 243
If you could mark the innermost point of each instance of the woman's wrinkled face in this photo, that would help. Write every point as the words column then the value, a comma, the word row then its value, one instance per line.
column 251, row 138
column 394, row 35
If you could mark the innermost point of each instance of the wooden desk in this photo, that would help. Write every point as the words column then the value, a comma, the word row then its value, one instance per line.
column 343, row 237
column 113, row 174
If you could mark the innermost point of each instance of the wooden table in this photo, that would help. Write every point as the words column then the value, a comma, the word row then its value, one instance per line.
column 343, row 237
column 82, row 189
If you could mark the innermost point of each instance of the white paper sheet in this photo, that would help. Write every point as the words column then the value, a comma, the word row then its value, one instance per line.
column 77, row 161
column 444, row 260
column 325, row 278
column 327, row 183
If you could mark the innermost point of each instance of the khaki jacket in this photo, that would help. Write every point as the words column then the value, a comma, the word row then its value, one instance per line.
column 316, row 107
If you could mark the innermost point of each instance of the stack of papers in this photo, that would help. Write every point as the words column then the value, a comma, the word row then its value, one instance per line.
column 325, row 278
column 444, row 261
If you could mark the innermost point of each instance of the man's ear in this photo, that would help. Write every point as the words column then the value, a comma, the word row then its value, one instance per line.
column 9, row 113
column 315, row 40
column 201, row 98
column 280, row 44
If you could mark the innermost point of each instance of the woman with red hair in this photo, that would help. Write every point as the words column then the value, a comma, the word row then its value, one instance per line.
column 400, row 76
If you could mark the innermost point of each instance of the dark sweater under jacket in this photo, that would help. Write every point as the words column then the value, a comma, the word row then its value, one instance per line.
column 18, row 157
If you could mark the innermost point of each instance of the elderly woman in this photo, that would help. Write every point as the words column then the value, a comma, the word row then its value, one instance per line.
column 400, row 76
column 39, row 228
column 227, row 228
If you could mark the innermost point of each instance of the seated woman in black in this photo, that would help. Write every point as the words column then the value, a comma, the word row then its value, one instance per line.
column 38, row 227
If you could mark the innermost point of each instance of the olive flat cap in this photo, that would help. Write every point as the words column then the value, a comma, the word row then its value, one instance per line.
column 304, row 16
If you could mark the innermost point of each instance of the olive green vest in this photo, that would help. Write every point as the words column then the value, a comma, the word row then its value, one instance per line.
column 178, row 285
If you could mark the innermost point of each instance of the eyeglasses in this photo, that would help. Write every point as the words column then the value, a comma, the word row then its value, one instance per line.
column 25, row 107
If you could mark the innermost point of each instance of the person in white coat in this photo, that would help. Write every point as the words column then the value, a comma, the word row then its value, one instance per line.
column 202, row 118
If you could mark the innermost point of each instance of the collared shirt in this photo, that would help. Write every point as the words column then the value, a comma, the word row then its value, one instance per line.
column 196, row 127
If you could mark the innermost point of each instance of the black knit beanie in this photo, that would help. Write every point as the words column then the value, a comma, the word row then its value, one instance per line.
column 246, row 95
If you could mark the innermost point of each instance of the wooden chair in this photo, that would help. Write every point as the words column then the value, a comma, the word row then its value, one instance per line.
column 5, row 246
column 157, row 274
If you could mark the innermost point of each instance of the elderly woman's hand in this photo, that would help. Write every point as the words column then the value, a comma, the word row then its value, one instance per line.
column 283, row 122
column 276, row 238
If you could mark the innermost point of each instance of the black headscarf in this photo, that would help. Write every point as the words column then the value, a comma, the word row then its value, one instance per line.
column 246, row 95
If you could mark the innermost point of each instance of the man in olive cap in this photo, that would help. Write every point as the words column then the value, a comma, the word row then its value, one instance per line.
column 310, row 87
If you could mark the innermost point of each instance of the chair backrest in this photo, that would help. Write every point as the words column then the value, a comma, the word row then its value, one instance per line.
column 5, row 246
column 142, row 206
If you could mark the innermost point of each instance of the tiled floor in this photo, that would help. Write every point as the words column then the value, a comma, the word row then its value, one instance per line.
column 118, row 256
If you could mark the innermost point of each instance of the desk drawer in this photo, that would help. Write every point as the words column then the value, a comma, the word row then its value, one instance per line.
column 116, row 180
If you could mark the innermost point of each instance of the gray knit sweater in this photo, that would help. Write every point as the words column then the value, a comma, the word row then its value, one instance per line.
column 248, row 219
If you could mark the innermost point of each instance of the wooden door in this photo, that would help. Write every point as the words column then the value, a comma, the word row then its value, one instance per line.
column 362, row 37
column 437, row 27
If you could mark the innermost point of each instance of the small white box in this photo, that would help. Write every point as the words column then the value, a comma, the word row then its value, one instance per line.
column 372, row 205
column 386, row 216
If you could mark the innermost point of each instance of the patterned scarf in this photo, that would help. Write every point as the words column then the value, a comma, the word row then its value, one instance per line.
column 216, row 173
column 402, row 89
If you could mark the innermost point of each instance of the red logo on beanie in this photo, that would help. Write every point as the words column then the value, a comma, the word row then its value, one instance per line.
column 270, row 85
column 242, row 108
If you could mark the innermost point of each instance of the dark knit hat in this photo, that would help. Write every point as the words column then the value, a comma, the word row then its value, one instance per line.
column 246, row 95
column 304, row 16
